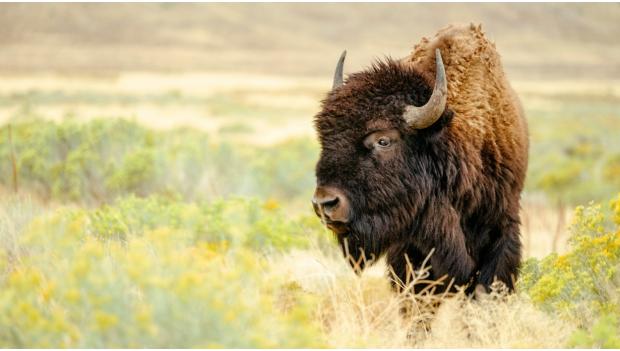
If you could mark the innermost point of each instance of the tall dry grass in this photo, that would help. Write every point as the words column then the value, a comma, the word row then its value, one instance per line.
column 364, row 311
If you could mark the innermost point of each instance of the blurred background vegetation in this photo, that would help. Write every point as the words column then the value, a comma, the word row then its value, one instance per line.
column 166, row 141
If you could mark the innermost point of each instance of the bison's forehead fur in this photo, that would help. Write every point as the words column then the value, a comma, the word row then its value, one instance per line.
column 384, row 192
column 370, row 100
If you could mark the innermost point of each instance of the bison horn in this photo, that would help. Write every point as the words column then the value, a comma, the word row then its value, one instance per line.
column 424, row 116
column 338, row 74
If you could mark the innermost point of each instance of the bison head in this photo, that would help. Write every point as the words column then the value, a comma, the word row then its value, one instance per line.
column 376, row 169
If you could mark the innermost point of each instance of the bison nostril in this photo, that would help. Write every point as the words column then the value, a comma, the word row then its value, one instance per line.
column 329, row 204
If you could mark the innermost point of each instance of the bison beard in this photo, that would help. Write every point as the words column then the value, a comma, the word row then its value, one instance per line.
column 406, row 188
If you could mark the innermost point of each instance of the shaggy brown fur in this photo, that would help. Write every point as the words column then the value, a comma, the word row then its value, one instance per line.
column 453, row 187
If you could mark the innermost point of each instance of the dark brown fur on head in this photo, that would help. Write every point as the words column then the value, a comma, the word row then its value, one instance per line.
column 385, row 190
column 429, row 189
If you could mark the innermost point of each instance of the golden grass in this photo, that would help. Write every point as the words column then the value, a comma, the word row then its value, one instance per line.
column 363, row 311
column 495, row 321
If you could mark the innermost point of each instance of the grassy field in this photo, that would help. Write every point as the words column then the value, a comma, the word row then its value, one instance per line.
column 156, row 179
column 172, row 210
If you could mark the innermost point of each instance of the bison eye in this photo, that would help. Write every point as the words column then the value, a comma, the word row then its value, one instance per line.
column 384, row 142
column 382, row 139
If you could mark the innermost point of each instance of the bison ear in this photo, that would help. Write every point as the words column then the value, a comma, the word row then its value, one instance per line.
column 338, row 75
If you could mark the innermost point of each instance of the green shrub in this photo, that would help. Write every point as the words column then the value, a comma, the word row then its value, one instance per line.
column 98, row 161
column 154, row 273
column 583, row 285
column 573, row 150
column 605, row 333
column 236, row 222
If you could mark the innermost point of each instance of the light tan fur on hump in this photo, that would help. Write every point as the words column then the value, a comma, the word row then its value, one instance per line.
column 487, row 111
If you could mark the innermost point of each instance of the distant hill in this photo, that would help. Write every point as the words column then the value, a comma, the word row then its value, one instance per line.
column 569, row 41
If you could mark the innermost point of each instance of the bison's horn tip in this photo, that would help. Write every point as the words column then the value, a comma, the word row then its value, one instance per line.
column 338, row 75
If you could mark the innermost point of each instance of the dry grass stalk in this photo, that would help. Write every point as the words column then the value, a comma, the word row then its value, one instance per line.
column 365, row 311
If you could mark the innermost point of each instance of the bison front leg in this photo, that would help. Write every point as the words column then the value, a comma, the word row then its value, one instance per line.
column 452, row 263
column 501, row 258
column 443, row 233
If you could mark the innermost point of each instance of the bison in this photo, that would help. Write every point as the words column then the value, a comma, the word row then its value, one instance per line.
column 426, row 154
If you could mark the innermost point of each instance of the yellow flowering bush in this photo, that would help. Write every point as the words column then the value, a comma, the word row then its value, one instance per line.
column 583, row 284
column 144, row 273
